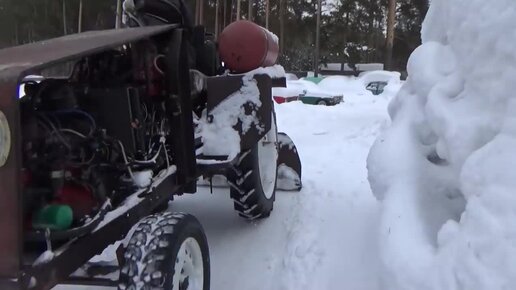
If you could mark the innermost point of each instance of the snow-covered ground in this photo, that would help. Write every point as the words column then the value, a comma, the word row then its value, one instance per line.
column 323, row 237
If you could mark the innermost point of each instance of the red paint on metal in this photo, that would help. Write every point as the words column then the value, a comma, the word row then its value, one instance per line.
column 244, row 46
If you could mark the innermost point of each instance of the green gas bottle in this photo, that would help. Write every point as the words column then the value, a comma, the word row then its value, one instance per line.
column 53, row 217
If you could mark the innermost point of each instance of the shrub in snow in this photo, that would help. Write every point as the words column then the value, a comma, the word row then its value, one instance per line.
column 444, row 170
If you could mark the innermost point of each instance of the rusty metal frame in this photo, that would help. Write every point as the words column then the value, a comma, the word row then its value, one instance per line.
column 15, row 64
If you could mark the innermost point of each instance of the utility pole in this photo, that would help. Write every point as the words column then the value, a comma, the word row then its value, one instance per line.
column 118, row 21
column 317, row 36
column 79, row 25
column 391, row 19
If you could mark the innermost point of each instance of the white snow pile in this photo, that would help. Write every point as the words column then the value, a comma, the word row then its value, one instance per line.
column 288, row 179
column 343, row 84
column 301, row 87
column 444, row 170
column 380, row 76
column 219, row 136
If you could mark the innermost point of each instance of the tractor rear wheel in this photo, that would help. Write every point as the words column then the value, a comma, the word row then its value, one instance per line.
column 253, row 178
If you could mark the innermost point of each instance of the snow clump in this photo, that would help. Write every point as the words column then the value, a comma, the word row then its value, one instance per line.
column 219, row 136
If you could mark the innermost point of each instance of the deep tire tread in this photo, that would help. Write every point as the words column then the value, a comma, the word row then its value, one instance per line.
column 248, row 197
column 148, row 251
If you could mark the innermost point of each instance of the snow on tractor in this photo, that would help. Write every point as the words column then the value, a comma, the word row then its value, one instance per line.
column 92, row 159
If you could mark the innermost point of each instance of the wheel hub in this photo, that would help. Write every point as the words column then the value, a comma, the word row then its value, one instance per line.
column 188, row 268
column 267, row 159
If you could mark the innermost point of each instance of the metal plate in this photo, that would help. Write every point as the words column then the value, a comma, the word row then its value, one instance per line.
column 220, row 88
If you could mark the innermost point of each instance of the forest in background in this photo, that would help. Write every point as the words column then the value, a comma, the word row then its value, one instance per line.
column 352, row 31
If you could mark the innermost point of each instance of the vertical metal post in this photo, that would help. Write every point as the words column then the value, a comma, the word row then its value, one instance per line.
column 317, row 36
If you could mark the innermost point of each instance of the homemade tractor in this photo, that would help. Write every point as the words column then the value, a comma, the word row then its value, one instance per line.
column 92, row 159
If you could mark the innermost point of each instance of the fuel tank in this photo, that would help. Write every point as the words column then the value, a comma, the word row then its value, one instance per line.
column 245, row 46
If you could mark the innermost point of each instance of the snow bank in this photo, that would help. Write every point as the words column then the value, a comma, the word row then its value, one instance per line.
column 286, row 92
column 444, row 169
column 380, row 76
column 343, row 84
column 357, row 86
column 299, row 87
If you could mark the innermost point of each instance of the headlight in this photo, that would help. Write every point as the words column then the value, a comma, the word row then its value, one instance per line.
column 5, row 139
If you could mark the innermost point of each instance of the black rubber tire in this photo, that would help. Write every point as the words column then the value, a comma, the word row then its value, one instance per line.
column 155, row 243
column 322, row 103
column 246, row 188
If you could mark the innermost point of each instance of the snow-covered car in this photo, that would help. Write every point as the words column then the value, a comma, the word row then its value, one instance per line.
column 284, row 95
column 321, row 98
column 312, row 94
column 375, row 82
column 291, row 77
column 376, row 87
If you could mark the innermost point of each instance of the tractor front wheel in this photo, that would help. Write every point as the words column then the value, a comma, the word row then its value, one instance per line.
column 166, row 251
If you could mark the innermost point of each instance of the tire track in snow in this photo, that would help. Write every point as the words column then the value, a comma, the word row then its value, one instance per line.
column 303, row 253
column 331, row 231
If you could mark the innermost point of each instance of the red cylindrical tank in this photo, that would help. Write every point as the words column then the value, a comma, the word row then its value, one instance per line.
column 244, row 46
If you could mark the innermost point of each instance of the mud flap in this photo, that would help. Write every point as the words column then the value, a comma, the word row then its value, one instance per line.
column 289, row 165
column 238, row 113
